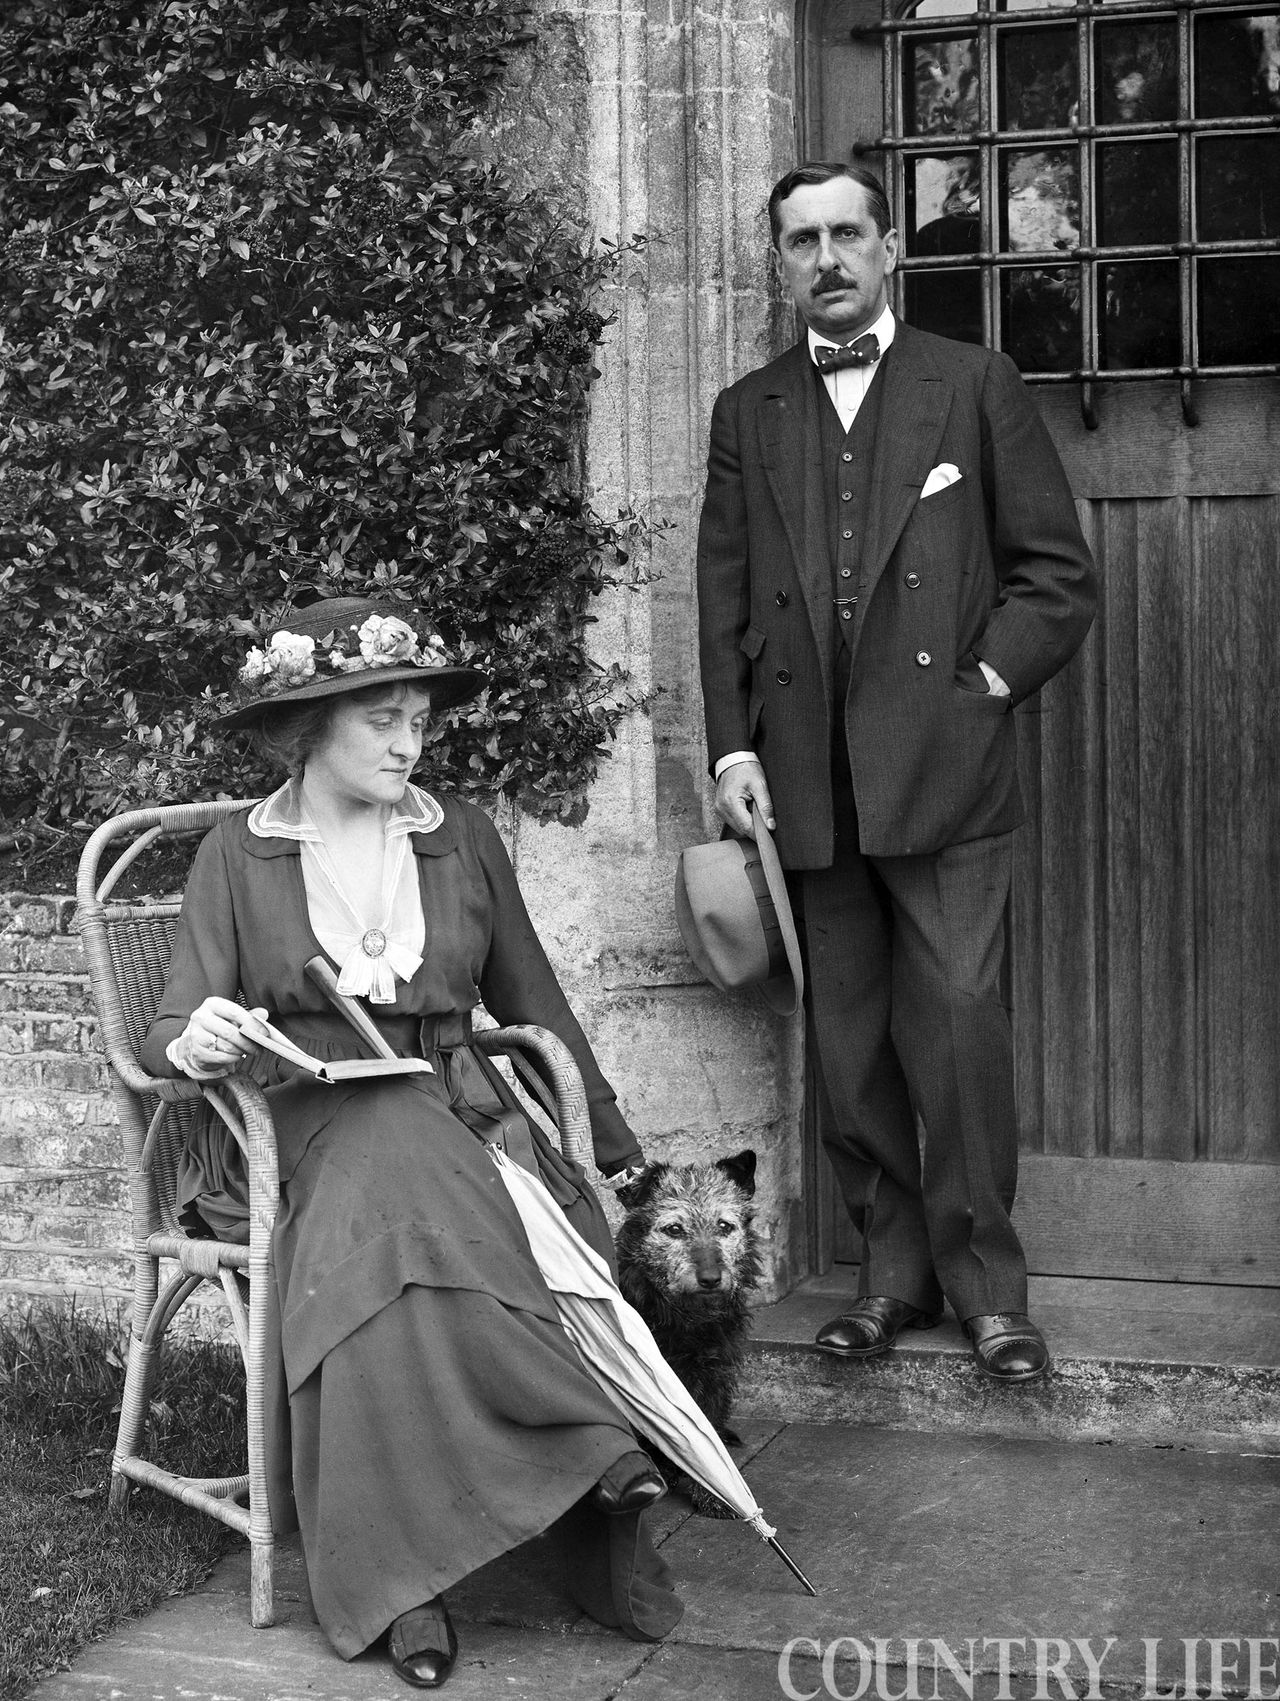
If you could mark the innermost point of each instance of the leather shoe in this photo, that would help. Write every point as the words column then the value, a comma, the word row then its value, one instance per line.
column 1007, row 1346
column 629, row 1485
column 870, row 1326
column 422, row 1645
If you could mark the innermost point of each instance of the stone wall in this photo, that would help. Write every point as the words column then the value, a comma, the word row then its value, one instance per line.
column 672, row 120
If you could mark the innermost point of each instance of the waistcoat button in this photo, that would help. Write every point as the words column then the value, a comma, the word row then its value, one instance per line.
column 781, row 599
column 923, row 658
column 784, row 676
column 913, row 579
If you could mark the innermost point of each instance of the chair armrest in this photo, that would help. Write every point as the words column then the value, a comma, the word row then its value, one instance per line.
column 242, row 1105
column 557, row 1067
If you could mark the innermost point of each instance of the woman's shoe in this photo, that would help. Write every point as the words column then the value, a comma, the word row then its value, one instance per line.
column 629, row 1485
column 423, row 1646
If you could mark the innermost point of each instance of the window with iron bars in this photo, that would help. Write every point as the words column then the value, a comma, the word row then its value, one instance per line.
column 1094, row 188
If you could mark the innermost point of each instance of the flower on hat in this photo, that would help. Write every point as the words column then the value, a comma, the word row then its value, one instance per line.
column 386, row 641
column 382, row 640
column 256, row 667
column 291, row 657
column 288, row 660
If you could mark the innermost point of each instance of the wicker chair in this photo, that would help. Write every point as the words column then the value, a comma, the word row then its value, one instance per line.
column 128, row 945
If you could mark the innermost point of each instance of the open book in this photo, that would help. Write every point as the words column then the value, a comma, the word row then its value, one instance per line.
column 337, row 1069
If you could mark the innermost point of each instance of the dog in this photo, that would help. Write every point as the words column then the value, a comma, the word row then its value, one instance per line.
column 688, row 1257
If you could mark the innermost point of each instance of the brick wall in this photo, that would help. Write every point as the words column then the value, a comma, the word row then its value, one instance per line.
column 63, row 1200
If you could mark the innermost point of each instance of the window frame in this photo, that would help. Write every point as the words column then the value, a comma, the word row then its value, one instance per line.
column 899, row 25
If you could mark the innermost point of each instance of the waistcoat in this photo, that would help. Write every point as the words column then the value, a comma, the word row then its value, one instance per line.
column 846, row 480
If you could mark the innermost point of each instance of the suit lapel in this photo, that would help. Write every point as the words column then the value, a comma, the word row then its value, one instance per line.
column 791, row 451
column 913, row 411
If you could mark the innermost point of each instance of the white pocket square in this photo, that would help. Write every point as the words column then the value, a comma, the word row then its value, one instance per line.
column 939, row 479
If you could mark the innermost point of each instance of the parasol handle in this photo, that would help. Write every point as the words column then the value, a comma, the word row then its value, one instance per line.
column 321, row 974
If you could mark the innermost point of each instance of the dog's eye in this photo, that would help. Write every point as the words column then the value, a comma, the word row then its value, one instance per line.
column 725, row 1227
column 675, row 1230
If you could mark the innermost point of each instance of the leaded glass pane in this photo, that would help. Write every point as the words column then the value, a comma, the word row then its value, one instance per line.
column 943, row 200
column 948, row 303
column 1040, row 318
column 1138, row 314
column 1029, row 5
column 1136, row 72
column 1237, row 302
column 1040, row 198
column 1237, row 65
column 945, row 9
column 1039, row 78
column 941, row 94
column 1237, row 187
column 1137, row 193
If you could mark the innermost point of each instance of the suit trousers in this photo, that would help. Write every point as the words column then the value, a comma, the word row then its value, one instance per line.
column 907, row 1023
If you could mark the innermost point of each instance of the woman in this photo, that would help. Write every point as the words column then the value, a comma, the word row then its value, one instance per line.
column 437, row 1415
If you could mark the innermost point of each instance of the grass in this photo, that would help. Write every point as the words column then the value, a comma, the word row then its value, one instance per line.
column 68, row 1570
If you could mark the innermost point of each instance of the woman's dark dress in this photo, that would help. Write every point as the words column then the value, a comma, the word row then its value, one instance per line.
column 439, row 1415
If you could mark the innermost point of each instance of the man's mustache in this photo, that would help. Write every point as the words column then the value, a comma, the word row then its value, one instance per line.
column 828, row 282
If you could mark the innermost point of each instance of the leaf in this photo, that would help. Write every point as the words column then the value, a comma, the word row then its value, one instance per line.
column 259, row 403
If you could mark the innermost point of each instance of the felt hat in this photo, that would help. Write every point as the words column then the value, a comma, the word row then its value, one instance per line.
column 735, row 918
column 345, row 644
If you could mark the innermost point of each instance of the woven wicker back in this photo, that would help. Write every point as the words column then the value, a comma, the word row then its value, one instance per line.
column 128, row 946
column 141, row 945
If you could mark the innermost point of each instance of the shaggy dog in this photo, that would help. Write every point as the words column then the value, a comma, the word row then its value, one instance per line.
column 687, row 1259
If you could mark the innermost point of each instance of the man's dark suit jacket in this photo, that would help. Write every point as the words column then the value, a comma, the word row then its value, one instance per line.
column 994, row 566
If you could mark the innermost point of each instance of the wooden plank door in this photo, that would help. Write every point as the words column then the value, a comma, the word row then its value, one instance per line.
column 1145, row 969
column 1144, row 962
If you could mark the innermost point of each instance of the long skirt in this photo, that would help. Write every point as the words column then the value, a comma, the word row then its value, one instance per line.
column 439, row 1415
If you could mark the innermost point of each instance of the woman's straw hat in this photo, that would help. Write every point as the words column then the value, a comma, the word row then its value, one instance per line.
column 345, row 644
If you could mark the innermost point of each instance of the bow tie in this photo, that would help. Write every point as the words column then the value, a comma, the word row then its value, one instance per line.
column 830, row 357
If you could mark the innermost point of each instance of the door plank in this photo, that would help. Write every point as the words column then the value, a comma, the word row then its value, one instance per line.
column 1148, row 1220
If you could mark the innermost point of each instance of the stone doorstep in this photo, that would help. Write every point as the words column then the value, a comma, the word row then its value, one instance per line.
column 1150, row 1363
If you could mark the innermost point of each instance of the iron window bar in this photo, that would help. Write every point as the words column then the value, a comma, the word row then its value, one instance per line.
column 900, row 24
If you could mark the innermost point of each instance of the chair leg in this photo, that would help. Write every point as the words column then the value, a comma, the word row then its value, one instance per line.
column 263, row 1343
column 139, row 1379
column 262, row 1608
column 134, row 1405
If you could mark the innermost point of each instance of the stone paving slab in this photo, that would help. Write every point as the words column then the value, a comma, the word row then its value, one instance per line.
column 951, row 1538
column 958, row 1542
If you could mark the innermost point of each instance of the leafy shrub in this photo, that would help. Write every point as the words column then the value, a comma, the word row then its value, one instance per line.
column 271, row 320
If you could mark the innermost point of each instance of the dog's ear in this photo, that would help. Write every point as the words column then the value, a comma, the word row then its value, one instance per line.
column 741, row 1171
column 637, row 1191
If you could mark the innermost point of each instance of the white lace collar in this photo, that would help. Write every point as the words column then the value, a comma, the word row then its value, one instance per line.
column 282, row 815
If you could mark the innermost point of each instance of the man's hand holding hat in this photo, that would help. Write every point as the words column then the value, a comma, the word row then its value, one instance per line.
column 741, row 789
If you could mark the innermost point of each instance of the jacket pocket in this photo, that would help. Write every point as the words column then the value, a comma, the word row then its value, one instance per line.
column 752, row 642
column 986, row 701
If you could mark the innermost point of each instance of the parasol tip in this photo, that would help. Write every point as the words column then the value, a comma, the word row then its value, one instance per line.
column 790, row 1564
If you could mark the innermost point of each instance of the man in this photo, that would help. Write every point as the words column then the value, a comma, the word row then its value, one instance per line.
column 888, row 561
